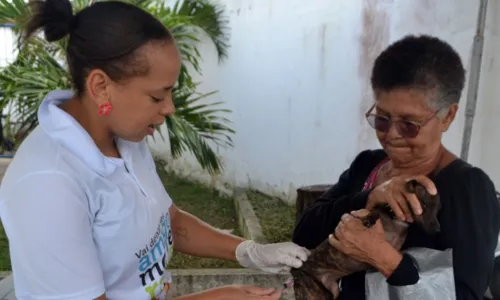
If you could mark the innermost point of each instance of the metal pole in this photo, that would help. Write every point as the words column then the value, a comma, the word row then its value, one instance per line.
column 472, row 91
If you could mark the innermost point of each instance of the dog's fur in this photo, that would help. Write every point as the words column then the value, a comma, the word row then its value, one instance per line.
column 317, row 278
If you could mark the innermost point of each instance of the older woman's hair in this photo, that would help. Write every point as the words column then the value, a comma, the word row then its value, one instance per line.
column 421, row 62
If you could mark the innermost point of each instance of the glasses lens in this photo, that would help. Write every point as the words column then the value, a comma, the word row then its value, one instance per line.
column 379, row 123
column 408, row 129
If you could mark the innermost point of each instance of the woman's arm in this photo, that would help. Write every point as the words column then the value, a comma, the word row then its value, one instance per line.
column 234, row 292
column 203, row 295
column 321, row 218
column 397, row 267
column 195, row 237
column 212, row 294
column 471, row 227
column 369, row 245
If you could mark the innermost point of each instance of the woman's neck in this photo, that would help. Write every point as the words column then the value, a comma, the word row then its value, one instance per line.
column 103, row 139
column 423, row 166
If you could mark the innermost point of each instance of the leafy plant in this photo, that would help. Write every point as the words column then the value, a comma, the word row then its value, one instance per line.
column 40, row 67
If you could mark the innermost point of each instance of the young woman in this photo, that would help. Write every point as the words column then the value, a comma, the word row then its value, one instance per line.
column 84, row 210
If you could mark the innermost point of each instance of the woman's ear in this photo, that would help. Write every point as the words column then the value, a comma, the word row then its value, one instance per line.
column 98, row 86
column 449, row 117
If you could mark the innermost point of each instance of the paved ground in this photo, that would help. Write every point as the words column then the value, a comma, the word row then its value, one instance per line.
column 7, row 289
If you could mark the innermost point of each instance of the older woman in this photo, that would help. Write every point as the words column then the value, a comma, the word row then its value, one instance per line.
column 417, row 83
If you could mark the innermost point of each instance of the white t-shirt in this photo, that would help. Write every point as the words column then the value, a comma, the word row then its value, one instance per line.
column 81, row 224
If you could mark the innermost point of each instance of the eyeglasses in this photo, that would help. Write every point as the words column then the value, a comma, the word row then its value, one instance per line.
column 406, row 128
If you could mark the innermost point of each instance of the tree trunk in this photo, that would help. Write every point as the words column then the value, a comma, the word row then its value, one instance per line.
column 307, row 195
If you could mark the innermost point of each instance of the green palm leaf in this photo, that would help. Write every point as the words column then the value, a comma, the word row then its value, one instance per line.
column 39, row 68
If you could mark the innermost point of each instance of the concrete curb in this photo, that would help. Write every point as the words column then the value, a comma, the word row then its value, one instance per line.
column 4, row 164
column 247, row 219
column 7, row 288
column 4, row 274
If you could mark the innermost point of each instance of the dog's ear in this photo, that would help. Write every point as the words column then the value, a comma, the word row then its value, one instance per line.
column 422, row 194
column 410, row 186
column 434, row 226
column 431, row 205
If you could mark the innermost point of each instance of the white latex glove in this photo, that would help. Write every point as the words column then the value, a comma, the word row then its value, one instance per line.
column 271, row 258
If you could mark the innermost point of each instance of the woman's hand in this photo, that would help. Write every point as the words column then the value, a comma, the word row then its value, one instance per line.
column 271, row 258
column 393, row 192
column 235, row 292
column 355, row 240
column 368, row 245
column 245, row 292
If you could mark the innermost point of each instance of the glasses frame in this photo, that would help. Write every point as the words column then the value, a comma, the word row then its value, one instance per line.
column 393, row 120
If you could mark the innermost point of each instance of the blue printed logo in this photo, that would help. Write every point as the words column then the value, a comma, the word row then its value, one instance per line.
column 154, row 257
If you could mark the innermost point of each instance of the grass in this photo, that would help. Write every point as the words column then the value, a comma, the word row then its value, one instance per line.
column 4, row 251
column 277, row 219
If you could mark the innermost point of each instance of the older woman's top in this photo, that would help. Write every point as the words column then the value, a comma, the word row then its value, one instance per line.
column 470, row 224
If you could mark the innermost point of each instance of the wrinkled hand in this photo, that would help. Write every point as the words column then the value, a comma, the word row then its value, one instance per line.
column 355, row 240
column 245, row 292
column 393, row 192
column 271, row 258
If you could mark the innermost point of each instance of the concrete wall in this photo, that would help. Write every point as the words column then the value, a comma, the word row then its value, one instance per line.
column 490, row 113
column 297, row 82
column 6, row 46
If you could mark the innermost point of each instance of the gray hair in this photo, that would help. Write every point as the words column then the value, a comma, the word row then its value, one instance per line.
column 424, row 63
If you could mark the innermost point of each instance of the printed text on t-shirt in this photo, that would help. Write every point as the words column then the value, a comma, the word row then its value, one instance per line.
column 153, row 258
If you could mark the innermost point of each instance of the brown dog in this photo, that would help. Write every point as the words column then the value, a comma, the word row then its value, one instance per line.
column 318, row 277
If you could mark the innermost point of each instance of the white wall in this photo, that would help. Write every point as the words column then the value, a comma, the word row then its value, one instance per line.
column 6, row 46
column 490, row 116
column 297, row 82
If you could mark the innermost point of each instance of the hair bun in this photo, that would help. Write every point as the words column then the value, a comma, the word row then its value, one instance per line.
column 55, row 17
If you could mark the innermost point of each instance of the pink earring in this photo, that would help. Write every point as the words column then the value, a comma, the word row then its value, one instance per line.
column 104, row 109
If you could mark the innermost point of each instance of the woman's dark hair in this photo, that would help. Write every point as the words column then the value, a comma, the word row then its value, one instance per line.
column 423, row 62
column 105, row 35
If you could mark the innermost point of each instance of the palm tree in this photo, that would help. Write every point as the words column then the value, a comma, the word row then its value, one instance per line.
column 39, row 68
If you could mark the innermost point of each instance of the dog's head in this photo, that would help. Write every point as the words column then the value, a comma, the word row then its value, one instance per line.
column 430, row 204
